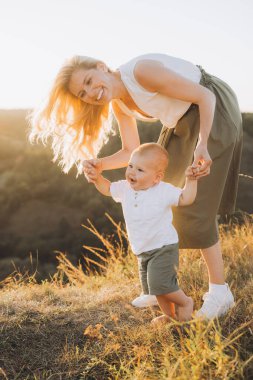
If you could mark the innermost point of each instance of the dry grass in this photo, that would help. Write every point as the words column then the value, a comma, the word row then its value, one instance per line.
column 82, row 326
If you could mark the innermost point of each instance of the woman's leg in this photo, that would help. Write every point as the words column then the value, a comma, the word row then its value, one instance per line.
column 219, row 299
column 214, row 262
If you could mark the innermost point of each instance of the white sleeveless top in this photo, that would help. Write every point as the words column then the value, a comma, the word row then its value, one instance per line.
column 167, row 110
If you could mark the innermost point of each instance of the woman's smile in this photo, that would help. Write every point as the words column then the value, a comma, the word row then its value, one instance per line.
column 100, row 94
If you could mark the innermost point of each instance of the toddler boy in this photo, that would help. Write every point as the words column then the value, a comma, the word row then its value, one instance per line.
column 146, row 201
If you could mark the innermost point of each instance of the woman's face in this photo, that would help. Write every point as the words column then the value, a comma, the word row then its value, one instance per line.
column 93, row 86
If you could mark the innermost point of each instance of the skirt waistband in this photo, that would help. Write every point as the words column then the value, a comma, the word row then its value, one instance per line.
column 206, row 79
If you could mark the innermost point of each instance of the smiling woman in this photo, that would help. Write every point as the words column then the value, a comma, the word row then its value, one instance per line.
column 202, row 127
column 77, row 128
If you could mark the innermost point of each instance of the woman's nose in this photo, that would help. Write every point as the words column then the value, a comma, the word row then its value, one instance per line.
column 89, row 91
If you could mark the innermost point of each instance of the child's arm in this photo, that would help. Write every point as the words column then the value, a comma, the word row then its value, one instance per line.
column 103, row 185
column 190, row 189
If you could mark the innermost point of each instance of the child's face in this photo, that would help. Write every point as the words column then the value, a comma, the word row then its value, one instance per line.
column 141, row 173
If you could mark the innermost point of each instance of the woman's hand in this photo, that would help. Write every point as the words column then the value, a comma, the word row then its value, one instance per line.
column 92, row 168
column 202, row 161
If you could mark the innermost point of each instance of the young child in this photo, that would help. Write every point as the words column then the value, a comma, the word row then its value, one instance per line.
column 146, row 201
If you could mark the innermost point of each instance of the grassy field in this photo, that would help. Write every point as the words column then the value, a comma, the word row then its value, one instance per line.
column 82, row 326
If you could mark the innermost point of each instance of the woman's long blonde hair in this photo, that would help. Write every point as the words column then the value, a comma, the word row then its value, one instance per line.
column 77, row 130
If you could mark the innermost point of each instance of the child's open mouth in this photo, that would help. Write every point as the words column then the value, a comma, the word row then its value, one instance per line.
column 132, row 181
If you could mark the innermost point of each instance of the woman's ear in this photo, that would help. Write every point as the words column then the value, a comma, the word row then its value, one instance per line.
column 102, row 66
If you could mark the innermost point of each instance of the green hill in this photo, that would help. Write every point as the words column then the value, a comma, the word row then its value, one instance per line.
column 42, row 209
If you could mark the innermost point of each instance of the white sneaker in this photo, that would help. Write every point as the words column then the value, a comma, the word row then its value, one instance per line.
column 145, row 300
column 215, row 304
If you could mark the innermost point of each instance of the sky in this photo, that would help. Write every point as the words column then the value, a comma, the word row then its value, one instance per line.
column 36, row 36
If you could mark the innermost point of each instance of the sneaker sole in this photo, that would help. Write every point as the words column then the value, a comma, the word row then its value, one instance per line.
column 220, row 313
column 226, row 308
column 145, row 305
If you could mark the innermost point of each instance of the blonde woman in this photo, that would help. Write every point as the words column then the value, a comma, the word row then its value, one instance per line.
column 201, row 125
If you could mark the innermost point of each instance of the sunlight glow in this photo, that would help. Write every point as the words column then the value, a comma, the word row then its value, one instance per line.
column 36, row 36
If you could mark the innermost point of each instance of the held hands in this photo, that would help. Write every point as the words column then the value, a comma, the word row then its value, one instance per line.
column 201, row 164
column 194, row 172
column 191, row 173
column 92, row 169
column 202, row 161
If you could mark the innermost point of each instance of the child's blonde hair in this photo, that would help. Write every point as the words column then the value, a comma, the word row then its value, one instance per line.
column 77, row 130
column 159, row 154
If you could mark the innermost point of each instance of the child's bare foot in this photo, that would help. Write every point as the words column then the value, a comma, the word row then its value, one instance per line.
column 160, row 321
column 185, row 312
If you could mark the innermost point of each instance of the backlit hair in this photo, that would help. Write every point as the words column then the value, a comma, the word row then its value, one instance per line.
column 77, row 130
column 159, row 154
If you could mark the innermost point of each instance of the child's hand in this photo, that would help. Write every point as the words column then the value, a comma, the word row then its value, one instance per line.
column 192, row 172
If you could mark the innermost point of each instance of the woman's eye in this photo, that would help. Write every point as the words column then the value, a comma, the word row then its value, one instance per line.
column 88, row 81
column 140, row 170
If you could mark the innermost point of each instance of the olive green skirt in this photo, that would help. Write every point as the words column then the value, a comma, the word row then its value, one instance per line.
column 197, row 224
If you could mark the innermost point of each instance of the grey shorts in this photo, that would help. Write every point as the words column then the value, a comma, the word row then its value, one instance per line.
column 158, row 270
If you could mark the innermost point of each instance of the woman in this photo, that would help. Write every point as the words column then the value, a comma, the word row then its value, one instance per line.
column 201, row 124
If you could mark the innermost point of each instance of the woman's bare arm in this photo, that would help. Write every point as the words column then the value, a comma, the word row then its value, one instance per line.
column 129, row 138
column 155, row 77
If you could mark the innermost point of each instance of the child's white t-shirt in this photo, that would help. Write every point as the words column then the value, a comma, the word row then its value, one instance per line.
column 148, row 214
